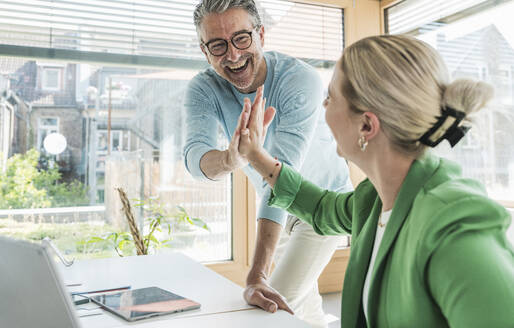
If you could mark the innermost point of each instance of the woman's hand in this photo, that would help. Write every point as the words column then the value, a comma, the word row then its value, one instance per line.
column 254, row 123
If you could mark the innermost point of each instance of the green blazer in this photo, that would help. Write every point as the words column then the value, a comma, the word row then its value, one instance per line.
column 444, row 260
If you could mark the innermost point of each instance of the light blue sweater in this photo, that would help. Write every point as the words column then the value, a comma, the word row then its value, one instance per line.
column 297, row 136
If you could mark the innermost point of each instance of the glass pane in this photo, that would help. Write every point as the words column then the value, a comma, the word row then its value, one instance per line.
column 116, row 140
column 100, row 177
column 51, row 79
column 42, row 135
column 480, row 45
column 49, row 121
column 287, row 31
column 152, row 174
column 126, row 140
column 161, row 28
column 145, row 106
column 409, row 15
column 102, row 141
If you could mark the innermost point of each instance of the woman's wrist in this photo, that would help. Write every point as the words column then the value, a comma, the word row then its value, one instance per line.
column 267, row 166
column 256, row 156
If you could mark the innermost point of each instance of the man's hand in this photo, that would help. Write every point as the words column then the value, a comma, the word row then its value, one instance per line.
column 253, row 124
column 259, row 293
column 233, row 159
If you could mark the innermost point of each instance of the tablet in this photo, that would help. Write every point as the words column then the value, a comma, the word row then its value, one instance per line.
column 142, row 303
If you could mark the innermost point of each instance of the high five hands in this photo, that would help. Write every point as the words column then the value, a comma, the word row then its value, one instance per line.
column 251, row 113
column 253, row 125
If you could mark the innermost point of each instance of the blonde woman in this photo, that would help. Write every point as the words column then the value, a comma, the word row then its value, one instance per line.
column 429, row 247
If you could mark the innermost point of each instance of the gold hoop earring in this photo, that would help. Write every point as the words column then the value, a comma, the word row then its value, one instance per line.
column 363, row 143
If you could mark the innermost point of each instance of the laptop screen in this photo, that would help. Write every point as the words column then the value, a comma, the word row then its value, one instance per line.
column 31, row 291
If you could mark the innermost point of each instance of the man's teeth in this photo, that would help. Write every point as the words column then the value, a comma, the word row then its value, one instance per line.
column 238, row 66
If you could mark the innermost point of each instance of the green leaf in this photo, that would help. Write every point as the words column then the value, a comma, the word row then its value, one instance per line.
column 125, row 235
column 122, row 244
column 113, row 236
column 200, row 223
column 154, row 239
column 95, row 239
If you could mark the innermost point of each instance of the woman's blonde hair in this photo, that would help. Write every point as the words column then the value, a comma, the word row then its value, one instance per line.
column 404, row 81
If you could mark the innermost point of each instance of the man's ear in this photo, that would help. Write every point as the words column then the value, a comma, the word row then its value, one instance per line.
column 202, row 47
column 261, row 35
column 369, row 125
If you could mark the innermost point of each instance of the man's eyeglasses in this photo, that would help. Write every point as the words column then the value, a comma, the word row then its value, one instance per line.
column 241, row 40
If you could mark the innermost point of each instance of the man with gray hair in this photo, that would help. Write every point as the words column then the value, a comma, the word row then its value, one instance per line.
column 231, row 37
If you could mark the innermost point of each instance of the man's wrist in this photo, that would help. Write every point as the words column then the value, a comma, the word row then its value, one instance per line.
column 227, row 165
column 255, row 276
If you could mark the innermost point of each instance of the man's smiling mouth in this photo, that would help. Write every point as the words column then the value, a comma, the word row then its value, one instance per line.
column 237, row 68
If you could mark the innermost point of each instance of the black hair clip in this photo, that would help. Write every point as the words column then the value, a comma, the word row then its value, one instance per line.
column 453, row 134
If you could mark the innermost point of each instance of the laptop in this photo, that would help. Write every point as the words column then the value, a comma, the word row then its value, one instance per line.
column 32, row 293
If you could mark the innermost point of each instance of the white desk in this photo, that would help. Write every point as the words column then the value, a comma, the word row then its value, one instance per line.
column 254, row 318
column 222, row 300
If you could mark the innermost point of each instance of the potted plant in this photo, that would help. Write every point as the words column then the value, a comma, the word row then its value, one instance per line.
column 160, row 222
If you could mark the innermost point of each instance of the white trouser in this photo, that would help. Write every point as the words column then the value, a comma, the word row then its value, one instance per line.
column 300, row 258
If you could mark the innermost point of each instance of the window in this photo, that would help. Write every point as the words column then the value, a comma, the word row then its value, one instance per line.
column 119, row 141
column 46, row 126
column 126, row 70
column 139, row 100
column 157, row 28
column 51, row 79
column 475, row 40
column 412, row 16
column 320, row 39
column 476, row 43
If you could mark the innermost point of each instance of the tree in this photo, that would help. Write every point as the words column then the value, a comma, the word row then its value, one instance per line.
column 23, row 185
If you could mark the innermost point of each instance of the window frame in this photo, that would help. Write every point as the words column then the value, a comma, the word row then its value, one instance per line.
column 6, row 130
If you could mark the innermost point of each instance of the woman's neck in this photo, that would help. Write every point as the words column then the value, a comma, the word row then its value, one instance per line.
column 387, row 172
